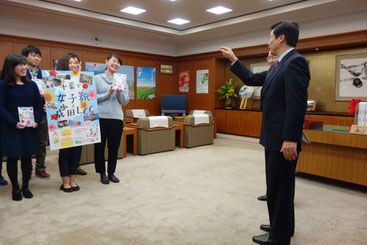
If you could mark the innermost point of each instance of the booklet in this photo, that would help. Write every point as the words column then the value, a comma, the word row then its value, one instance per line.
column 119, row 82
column 26, row 116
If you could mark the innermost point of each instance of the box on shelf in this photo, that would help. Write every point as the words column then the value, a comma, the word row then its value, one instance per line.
column 313, row 124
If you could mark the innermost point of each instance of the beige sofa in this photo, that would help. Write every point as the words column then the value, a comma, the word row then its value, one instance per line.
column 152, row 140
column 198, row 134
column 129, row 114
column 88, row 152
column 182, row 118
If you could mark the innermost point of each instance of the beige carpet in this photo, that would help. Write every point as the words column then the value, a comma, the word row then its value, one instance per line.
column 204, row 195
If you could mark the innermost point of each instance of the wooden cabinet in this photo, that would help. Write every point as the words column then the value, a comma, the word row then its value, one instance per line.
column 248, row 123
column 335, row 155
column 239, row 122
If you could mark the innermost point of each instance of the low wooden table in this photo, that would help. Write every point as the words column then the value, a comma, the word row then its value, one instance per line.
column 180, row 119
column 128, row 119
column 134, row 132
column 180, row 127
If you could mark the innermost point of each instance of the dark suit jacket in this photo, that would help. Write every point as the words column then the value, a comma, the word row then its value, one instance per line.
column 39, row 75
column 283, row 98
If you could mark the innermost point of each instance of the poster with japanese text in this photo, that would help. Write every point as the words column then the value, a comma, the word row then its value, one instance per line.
column 145, row 84
column 183, row 81
column 99, row 68
column 72, row 109
column 129, row 71
column 202, row 81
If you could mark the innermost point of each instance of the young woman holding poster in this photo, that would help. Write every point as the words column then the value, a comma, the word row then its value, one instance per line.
column 69, row 158
column 19, row 136
column 111, row 118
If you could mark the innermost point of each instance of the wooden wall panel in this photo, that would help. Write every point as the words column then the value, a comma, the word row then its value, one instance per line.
column 220, row 78
column 199, row 101
column 57, row 53
column 94, row 57
column 164, row 85
column 46, row 63
column 5, row 49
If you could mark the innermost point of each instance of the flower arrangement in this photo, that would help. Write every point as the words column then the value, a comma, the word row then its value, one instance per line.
column 229, row 90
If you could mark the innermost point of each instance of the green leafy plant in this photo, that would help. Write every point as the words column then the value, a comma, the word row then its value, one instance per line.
column 229, row 90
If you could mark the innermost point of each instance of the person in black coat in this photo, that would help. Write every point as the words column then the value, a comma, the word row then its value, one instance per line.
column 2, row 180
column 272, row 60
column 33, row 57
column 283, row 105
column 17, row 138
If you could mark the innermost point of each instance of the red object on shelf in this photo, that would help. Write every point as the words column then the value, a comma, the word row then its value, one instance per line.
column 312, row 124
column 353, row 104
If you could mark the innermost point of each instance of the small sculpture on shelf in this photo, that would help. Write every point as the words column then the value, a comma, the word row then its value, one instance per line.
column 353, row 104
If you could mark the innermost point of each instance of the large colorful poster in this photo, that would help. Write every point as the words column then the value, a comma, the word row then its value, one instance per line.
column 72, row 109
column 129, row 71
column 99, row 68
column 183, row 81
column 145, row 84
column 202, row 81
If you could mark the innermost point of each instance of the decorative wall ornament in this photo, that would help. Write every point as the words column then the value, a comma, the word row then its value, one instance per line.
column 96, row 39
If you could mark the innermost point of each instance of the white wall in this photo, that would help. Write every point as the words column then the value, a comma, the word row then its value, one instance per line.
column 328, row 26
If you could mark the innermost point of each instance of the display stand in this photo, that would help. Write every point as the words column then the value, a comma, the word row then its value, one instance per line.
column 246, row 102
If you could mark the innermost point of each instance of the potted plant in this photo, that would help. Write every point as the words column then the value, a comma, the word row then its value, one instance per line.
column 228, row 91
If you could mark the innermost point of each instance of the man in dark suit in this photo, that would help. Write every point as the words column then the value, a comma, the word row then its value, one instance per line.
column 272, row 60
column 283, row 105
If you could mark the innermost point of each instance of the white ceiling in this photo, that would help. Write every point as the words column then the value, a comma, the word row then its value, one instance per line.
column 247, row 15
column 160, row 11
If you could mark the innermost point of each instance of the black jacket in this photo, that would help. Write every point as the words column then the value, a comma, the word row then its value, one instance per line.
column 283, row 98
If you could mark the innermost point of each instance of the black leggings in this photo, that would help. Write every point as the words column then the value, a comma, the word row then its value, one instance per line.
column 111, row 130
column 69, row 160
column 12, row 168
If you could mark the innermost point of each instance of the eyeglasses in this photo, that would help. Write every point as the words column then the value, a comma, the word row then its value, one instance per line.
column 271, row 57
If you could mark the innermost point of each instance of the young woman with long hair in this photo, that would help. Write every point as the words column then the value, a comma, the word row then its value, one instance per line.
column 17, row 138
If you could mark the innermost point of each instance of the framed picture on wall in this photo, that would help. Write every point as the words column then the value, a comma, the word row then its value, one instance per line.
column 256, row 68
column 351, row 77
